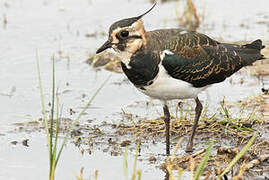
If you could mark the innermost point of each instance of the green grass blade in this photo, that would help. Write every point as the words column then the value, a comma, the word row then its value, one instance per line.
column 225, row 110
column 77, row 119
column 135, row 160
column 238, row 156
column 45, row 119
column 95, row 174
column 42, row 96
column 57, row 127
column 51, row 120
column 179, row 174
column 125, row 164
column 203, row 163
column 139, row 174
column 58, row 120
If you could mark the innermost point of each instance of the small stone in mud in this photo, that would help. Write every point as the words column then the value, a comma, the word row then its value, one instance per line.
column 25, row 142
column 89, row 35
column 14, row 142
column 152, row 159
column 76, row 132
column 125, row 143
column 106, row 149
column 89, row 120
column 115, row 153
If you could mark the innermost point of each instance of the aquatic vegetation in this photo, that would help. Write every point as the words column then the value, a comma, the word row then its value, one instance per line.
column 51, row 131
column 189, row 18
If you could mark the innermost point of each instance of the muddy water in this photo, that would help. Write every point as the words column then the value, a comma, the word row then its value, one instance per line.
column 70, row 30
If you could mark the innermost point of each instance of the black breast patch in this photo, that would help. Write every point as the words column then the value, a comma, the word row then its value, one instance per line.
column 143, row 69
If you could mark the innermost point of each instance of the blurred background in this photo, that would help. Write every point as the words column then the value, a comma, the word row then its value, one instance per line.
column 70, row 31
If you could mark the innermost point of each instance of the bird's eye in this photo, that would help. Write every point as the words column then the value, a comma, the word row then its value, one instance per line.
column 124, row 34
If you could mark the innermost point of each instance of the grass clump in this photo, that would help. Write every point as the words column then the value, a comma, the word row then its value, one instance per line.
column 52, row 132
column 238, row 156
column 225, row 126
column 203, row 164
column 136, row 174
column 221, row 124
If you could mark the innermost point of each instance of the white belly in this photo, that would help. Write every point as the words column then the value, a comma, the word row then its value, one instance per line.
column 164, row 87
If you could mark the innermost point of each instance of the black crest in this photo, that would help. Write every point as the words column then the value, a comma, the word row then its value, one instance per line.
column 128, row 21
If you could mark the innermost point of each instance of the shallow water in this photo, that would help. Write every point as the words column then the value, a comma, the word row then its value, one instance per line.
column 61, row 29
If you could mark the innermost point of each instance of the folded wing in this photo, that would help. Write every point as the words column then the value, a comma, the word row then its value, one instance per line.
column 203, row 63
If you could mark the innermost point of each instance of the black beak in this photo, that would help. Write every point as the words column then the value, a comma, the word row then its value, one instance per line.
column 105, row 46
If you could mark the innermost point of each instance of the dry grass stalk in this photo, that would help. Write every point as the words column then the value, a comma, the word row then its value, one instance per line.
column 192, row 166
column 190, row 18
column 246, row 166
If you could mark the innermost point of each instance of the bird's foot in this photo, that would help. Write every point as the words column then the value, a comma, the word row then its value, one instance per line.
column 189, row 148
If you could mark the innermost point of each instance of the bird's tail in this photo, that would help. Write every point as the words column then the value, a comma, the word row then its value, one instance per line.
column 248, row 53
column 253, row 50
column 257, row 44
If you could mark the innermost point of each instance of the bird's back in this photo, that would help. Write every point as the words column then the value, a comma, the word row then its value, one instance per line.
column 199, row 59
column 176, row 40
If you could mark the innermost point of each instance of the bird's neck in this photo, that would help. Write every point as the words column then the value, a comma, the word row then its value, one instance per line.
column 142, row 68
column 126, row 55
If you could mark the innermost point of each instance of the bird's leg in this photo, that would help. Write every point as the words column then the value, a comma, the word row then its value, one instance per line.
column 167, row 128
column 198, row 111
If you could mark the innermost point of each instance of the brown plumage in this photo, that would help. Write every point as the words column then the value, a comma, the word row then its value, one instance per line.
column 201, row 60
column 171, row 64
column 198, row 59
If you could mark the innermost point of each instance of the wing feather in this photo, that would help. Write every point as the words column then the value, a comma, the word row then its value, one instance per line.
column 202, row 61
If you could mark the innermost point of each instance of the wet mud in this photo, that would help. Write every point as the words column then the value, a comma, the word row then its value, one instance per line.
column 120, row 117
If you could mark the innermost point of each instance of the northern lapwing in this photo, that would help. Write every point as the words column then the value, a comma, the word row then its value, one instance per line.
column 169, row 64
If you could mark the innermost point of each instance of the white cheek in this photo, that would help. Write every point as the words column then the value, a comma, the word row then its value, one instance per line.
column 124, row 57
column 134, row 45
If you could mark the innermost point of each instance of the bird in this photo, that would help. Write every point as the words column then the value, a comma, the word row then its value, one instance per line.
column 175, row 63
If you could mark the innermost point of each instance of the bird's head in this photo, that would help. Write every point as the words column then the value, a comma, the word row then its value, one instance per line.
column 126, row 35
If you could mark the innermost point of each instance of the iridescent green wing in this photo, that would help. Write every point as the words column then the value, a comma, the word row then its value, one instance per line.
column 202, row 61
